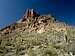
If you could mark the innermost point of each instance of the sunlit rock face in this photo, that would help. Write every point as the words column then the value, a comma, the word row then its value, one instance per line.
column 37, row 35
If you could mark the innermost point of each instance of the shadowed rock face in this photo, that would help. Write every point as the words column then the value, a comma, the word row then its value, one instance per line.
column 37, row 36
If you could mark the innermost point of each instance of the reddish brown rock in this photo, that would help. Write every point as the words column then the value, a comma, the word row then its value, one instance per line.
column 31, row 13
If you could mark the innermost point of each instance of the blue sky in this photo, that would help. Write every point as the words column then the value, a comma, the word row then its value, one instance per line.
column 13, row 10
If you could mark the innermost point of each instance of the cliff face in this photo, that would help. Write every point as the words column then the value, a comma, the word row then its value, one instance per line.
column 37, row 35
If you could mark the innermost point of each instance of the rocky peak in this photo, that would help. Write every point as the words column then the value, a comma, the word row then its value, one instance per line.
column 31, row 21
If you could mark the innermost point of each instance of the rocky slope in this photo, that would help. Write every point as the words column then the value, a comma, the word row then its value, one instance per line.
column 37, row 35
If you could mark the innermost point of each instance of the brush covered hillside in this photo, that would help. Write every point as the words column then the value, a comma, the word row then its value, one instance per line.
column 37, row 35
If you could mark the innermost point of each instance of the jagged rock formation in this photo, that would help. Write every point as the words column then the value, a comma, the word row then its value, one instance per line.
column 31, row 13
column 37, row 35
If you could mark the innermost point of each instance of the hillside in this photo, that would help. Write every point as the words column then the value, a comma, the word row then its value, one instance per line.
column 37, row 35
